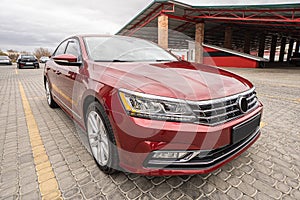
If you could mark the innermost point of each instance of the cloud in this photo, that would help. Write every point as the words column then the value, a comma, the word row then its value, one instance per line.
column 26, row 25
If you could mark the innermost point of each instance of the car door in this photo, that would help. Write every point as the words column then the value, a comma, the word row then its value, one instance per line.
column 69, row 78
column 53, row 72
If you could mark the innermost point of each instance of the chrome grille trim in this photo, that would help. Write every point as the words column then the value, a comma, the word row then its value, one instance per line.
column 219, row 111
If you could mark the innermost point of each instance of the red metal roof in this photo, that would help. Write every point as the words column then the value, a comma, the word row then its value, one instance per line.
column 280, row 19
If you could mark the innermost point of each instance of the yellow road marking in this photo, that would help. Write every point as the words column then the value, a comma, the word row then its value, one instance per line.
column 47, row 182
column 262, row 124
column 16, row 71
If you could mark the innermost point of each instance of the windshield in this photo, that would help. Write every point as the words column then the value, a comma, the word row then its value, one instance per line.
column 124, row 49
column 4, row 58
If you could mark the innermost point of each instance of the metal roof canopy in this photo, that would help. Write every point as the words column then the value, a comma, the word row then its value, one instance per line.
column 254, row 20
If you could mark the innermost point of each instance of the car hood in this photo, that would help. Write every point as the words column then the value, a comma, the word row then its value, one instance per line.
column 181, row 80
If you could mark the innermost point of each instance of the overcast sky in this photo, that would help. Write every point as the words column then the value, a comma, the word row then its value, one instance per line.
column 29, row 24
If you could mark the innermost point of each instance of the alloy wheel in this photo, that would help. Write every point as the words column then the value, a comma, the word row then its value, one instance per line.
column 98, row 138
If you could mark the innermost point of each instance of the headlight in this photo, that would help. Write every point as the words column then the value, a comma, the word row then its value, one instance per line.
column 155, row 107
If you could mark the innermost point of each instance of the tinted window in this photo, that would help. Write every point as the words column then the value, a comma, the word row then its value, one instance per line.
column 61, row 49
column 28, row 57
column 73, row 48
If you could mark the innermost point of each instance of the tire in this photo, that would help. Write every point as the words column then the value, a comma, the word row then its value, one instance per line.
column 50, row 101
column 18, row 66
column 101, row 138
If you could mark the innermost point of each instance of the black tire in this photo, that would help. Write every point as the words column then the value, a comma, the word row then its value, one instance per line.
column 50, row 101
column 18, row 66
column 112, row 164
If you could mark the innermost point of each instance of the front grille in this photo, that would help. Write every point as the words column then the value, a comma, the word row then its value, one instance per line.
column 218, row 111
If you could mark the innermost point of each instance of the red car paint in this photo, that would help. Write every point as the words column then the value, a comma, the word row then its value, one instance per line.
column 137, row 137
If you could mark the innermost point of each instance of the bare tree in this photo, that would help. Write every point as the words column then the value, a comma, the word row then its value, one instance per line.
column 39, row 52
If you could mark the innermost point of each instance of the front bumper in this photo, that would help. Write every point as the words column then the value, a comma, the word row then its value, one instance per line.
column 29, row 64
column 211, row 146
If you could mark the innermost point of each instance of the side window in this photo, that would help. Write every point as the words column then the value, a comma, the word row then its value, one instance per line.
column 73, row 48
column 61, row 49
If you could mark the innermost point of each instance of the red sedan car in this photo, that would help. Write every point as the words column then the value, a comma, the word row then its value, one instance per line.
column 147, row 112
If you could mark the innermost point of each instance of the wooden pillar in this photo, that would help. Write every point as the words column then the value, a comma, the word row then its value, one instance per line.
column 297, row 46
column 282, row 49
column 261, row 49
column 273, row 48
column 291, row 45
column 199, row 38
column 163, row 36
column 228, row 37
column 247, row 43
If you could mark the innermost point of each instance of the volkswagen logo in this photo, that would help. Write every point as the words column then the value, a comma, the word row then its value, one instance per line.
column 242, row 104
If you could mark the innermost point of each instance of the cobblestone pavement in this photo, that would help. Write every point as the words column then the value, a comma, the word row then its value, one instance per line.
column 270, row 169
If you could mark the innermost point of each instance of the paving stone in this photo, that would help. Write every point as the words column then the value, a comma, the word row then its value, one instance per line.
column 145, row 197
column 295, row 193
column 116, row 195
column 235, row 193
column 190, row 190
column 263, row 196
column 127, row 186
column 218, row 195
column 174, row 181
column 71, row 192
column 66, row 183
column 247, row 189
column 144, row 184
column 264, row 178
column 29, row 187
column 292, row 182
column 272, row 162
column 234, row 181
column 160, row 190
column 219, row 183
column 133, row 194
column 108, row 188
column 31, row 195
column 197, row 181
column 158, row 180
column 90, row 190
column 265, row 188
column 208, row 188
column 119, row 178
column 175, row 194
column 9, row 191
column 283, row 187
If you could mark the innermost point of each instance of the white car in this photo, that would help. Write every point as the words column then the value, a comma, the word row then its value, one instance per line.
column 44, row 59
column 5, row 60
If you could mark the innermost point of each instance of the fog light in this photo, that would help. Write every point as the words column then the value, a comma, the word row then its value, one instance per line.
column 169, row 154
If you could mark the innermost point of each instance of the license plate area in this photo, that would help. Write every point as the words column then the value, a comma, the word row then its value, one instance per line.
column 29, row 63
column 245, row 129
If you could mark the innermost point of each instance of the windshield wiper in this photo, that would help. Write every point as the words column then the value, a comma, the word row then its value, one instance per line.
column 162, row 60
column 116, row 60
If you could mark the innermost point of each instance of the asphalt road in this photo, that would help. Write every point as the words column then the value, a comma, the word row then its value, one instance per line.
column 43, row 154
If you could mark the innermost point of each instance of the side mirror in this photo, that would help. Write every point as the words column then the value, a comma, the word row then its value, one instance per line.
column 67, row 59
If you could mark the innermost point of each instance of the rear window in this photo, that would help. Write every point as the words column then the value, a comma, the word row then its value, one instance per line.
column 28, row 57
column 4, row 58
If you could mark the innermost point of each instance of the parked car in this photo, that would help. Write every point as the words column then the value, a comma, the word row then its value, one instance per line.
column 27, row 61
column 5, row 60
column 147, row 112
column 44, row 59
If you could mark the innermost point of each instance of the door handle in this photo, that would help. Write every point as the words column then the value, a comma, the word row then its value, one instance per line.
column 58, row 72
